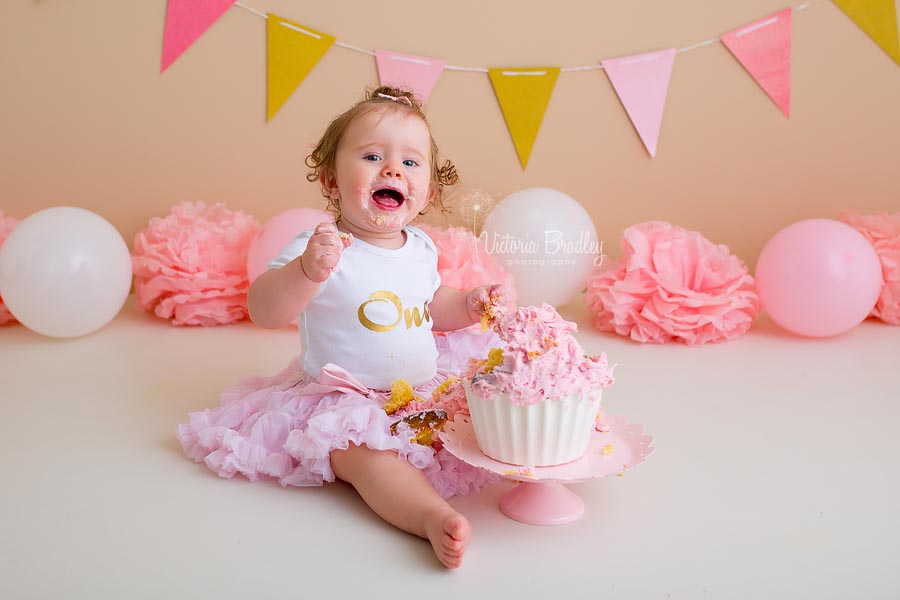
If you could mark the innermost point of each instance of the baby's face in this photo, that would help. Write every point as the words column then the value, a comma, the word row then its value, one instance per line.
column 383, row 171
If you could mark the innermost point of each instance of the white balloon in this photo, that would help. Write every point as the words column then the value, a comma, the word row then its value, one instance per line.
column 64, row 272
column 546, row 241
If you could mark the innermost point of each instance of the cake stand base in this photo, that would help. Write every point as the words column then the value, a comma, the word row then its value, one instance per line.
column 547, row 503
column 542, row 498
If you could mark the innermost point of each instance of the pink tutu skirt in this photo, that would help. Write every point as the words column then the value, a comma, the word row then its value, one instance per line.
column 284, row 427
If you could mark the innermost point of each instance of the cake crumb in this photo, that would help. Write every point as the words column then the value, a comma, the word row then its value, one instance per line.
column 401, row 395
column 520, row 472
column 443, row 388
column 424, row 424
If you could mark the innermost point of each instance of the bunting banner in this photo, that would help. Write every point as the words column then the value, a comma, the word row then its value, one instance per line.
column 292, row 50
column 642, row 83
column 186, row 21
column 878, row 18
column 523, row 95
column 416, row 73
column 764, row 48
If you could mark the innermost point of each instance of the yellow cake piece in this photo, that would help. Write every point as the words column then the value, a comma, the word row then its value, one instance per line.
column 487, row 365
column 494, row 360
column 401, row 394
column 424, row 424
column 488, row 315
column 443, row 388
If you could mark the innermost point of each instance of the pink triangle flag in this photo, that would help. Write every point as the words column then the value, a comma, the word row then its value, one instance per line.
column 764, row 48
column 186, row 21
column 416, row 73
column 642, row 82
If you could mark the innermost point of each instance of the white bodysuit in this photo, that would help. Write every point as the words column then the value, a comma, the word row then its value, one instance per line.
column 371, row 316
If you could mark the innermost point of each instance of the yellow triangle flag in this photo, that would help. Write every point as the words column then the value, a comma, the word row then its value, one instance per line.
column 878, row 18
column 292, row 51
column 523, row 95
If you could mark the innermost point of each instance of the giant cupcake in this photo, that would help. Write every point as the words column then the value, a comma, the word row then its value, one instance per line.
column 536, row 400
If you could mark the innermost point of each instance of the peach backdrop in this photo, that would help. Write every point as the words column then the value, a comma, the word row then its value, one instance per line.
column 88, row 120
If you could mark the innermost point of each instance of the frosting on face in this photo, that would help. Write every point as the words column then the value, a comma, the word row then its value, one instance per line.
column 382, row 174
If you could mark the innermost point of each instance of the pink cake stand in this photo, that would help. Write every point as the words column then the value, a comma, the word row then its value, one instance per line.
column 542, row 497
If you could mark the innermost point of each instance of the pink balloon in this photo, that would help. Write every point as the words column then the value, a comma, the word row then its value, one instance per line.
column 818, row 277
column 277, row 232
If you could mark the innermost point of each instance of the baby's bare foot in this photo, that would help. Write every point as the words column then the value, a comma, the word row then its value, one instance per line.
column 449, row 533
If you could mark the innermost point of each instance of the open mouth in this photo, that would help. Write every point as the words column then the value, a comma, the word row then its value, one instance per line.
column 388, row 198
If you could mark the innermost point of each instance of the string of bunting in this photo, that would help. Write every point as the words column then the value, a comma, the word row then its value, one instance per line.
column 763, row 47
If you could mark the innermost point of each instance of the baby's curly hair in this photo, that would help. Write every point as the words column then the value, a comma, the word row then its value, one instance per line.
column 321, row 160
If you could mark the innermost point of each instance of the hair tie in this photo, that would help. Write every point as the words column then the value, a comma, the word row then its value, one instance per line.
column 401, row 99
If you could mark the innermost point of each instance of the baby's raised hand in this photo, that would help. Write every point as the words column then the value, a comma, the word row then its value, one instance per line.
column 485, row 302
column 324, row 251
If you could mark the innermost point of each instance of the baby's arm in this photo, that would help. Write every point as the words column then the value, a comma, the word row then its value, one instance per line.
column 453, row 309
column 277, row 296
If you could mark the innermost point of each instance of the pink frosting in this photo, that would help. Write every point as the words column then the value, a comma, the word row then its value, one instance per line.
column 464, row 263
column 673, row 285
column 7, row 224
column 191, row 266
column 883, row 230
column 542, row 359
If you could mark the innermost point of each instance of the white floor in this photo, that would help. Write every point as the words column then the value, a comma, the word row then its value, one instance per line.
column 776, row 475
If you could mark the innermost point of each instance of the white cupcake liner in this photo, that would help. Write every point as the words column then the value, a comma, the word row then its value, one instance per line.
column 549, row 432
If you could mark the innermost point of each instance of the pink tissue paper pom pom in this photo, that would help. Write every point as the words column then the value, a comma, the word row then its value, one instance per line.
column 673, row 284
column 883, row 231
column 464, row 263
column 191, row 266
column 7, row 224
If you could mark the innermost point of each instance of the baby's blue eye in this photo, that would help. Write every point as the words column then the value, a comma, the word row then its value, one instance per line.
column 410, row 163
column 372, row 157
